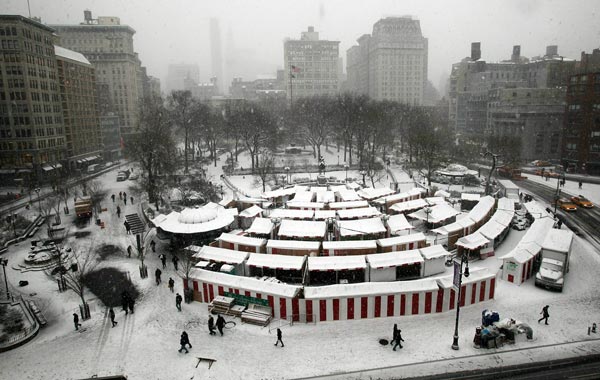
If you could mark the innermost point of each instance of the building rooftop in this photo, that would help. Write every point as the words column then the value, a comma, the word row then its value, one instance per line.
column 70, row 54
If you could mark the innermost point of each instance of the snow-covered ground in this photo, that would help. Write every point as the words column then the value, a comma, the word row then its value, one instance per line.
column 145, row 344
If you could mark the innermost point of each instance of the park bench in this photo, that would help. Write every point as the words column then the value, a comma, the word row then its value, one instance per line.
column 37, row 313
column 210, row 361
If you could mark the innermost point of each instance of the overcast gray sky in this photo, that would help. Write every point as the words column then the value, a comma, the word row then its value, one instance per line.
column 252, row 31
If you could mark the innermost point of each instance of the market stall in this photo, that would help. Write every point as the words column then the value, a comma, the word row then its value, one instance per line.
column 349, row 247
column 434, row 216
column 328, row 270
column 283, row 213
column 223, row 256
column 301, row 205
column 347, row 205
column 358, row 213
column 394, row 266
column 474, row 245
column 347, row 195
column 261, row 228
column 398, row 225
column 247, row 216
column 301, row 230
column 288, row 269
column 402, row 243
column 434, row 259
column 370, row 194
column 293, row 247
column 241, row 243
column 408, row 206
column 361, row 229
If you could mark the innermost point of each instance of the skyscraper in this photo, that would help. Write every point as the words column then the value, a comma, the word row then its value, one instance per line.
column 391, row 63
column 216, row 53
column 312, row 65
column 179, row 74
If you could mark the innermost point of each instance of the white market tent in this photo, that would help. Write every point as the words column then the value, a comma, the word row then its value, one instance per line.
column 435, row 201
column 347, row 195
column 475, row 241
column 246, row 283
column 470, row 197
column 283, row 262
column 398, row 223
column 358, row 213
column 346, row 205
column 384, row 266
column 536, row 210
column 293, row 247
column 403, row 242
column 241, row 243
column 260, row 226
column 353, row 185
column 300, row 205
column 302, row 229
column 369, row 193
column 407, row 206
column 196, row 220
column 324, row 214
column 442, row 193
column 506, row 204
column 400, row 197
column 368, row 289
column 335, row 263
column 482, row 209
column 450, row 233
column 303, row 196
column 434, row 259
column 439, row 213
column 326, row 196
column 283, row 213
column 373, row 226
column 349, row 247
column 225, row 256
column 279, row 193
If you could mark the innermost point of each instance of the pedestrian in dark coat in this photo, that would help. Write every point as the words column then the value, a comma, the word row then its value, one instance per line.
column 398, row 339
column 175, row 261
column 157, row 274
column 113, row 198
column 118, row 212
column 279, row 338
column 182, row 342
column 545, row 314
column 125, row 301
column 127, row 227
column 153, row 245
column 125, row 201
column 580, row 184
column 163, row 259
column 220, row 323
column 178, row 300
column 76, row 321
column 111, row 314
column 131, row 304
column 211, row 325
column 187, row 338
column 125, row 197
column 129, row 249
column 120, row 195
column 131, row 198
column 171, row 284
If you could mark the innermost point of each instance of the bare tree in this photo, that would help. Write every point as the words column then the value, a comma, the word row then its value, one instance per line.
column 312, row 117
column 86, row 261
column 181, row 105
column 47, row 213
column 265, row 166
column 97, row 193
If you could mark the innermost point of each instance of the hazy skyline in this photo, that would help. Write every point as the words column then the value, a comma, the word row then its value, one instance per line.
column 253, row 31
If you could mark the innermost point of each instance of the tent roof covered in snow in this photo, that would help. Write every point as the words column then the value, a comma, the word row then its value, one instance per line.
column 536, row 210
column 306, row 205
column 196, row 220
column 394, row 259
column 283, row 213
column 284, row 262
column 365, row 289
column 398, row 223
column 240, row 239
column 350, row 244
column 361, row 227
column 369, row 193
column 325, row 263
column 223, row 255
column 409, row 205
column 348, row 204
column 482, row 208
column 492, row 229
column 403, row 239
column 348, row 195
column 473, row 241
column 324, row 214
column 279, row 193
column 438, row 214
column 260, row 226
column 434, row 252
column 251, row 212
column 363, row 212
column 470, row 197
column 312, row 246
column 302, row 229
column 303, row 196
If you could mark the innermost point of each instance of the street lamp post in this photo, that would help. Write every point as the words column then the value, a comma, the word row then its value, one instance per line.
column 494, row 157
column 346, row 168
column 363, row 173
column 4, row 263
column 287, row 174
column 37, row 191
column 557, row 195
column 458, row 273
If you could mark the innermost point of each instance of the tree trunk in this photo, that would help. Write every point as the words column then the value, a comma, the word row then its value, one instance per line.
column 185, row 149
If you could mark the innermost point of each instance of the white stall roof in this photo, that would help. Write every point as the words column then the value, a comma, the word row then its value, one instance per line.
column 305, row 205
column 278, row 193
column 300, row 188
column 388, row 242
column 470, row 197
column 239, row 239
column 312, row 246
column 558, row 240
column 193, row 248
column 246, row 283
column 318, row 189
column 536, row 210
column 506, row 204
column 398, row 223
column 260, row 226
column 283, row 213
column 222, row 255
column 398, row 197
column 363, row 212
column 503, row 217
column 251, row 212
column 366, row 289
column 276, row 261
column 353, row 185
column 369, row 193
column 326, row 197
column 522, row 252
column 538, row 231
column 394, row 259
column 435, row 200
column 492, row 229
column 442, row 193
column 335, row 263
column 302, row 229
column 348, row 204
column 433, row 252
column 196, row 220
column 348, row 195
column 336, row 188
column 438, row 214
column 303, row 196
column 415, row 204
column 324, row 214
column 361, row 227
column 473, row 241
column 350, row 244
column 481, row 209
column 460, row 224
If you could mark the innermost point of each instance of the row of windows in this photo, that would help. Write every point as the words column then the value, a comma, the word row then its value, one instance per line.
column 8, row 31
column 9, row 44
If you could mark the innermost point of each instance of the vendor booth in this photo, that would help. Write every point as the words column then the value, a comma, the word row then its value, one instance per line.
column 288, row 269
column 324, row 214
column 299, row 205
column 402, row 243
column 283, row 213
column 223, row 256
column 358, row 213
column 347, row 205
column 386, row 202
column 408, row 206
column 241, row 243
column 248, row 215
column 370, row 194
column 347, row 195
column 303, row 196
column 398, row 225
column 394, row 266
column 361, row 229
column 301, row 230
column 450, row 233
column 293, row 247
column 434, row 259
column 328, row 270
column 480, row 286
column 280, row 196
column 482, row 211
column 349, row 247
column 261, row 228
column 474, row 245
column 435, row 216
column 468, row 201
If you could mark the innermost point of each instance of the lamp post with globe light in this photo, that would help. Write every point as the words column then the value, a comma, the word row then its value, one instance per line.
column 346, row 166
column 458, row 273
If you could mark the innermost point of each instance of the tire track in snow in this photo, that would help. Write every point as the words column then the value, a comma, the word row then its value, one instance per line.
column 102, row 338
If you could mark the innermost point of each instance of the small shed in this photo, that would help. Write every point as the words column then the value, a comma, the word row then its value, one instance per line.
column 347, row 205
column 518, row 264
column 261, row 228
column 468, row 200
column 402, row 243
column 223, row 256
column 329, row 270
column 398, row 225
column 247, row 216
column 288, row 269
column 370, row 193
column 434, row 259
column 475, row 245
column 361, row 229
column 324, row 214
column 293, row 247
column 393, row 266
column 241, row 243
column 358, row 213
column 349, row 247
column 302, row 230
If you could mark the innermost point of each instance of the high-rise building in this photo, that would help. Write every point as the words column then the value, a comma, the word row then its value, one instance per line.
column 391, row 63
column 581, row 128
column 108, row 46
column 216, row 55
column 80, row 108
column 311, row 66
column 181, row 73
column 264, row 87
column 32, row 133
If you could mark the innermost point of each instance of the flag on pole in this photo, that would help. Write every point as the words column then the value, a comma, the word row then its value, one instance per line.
column 295, row 69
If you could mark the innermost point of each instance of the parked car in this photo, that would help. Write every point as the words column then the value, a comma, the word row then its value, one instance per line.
column 121, row 177
column 582, row 201
column 134, row 176
column 520, row 224
column 566, row 205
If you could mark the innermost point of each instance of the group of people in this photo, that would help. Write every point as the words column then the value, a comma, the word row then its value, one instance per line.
column 127, row 302
column 220, row 324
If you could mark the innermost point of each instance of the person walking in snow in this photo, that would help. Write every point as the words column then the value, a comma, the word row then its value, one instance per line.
column 153, row 245
column 171, row 284
column 394, row 333
column 175, row 260
column 111, row 314
column 279, row 338
column 76, row 321
column 545, row 314
column 131, row 199
column 125, row 200
column 113, row 198
column 182, row 342
column 120, row 195
column 398, row 339
column 129, row 249
column 178, row 300
column 118, row 212
column 127, row 227
column 220, row 323
column 163, row 259
column 580, row 184
column 157, row 274
column 211, row 325
column 131, row 304
column 125, row 301
column 187, row 338
column 125, row 197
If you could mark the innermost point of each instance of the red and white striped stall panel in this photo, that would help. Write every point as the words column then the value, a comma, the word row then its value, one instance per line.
column 517, row 265
column 480, row 286
column 369, row 300
column 241, row 243
column 349, row 247
column 280, row 296
column 402, row 243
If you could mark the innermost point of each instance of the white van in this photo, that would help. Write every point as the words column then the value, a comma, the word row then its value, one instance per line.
column 93, row 168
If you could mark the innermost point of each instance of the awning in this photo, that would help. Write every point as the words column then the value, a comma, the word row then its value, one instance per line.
column 47, row 168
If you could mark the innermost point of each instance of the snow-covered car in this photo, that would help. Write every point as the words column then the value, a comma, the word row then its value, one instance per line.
column 134, row 176
column 520, row 224
column 121, row 177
